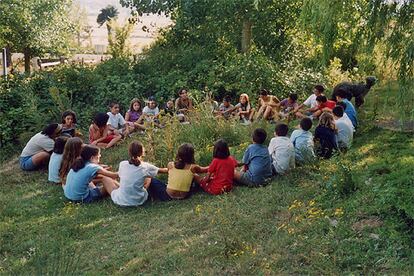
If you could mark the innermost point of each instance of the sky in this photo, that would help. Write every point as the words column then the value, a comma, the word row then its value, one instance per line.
column 139, row 38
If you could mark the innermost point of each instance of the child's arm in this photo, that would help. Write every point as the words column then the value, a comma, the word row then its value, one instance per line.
column 127, row 116
column 162, row 170
column 110, row 174
column 199, row 169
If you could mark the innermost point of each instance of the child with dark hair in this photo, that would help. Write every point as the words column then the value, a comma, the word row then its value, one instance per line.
column 288, row 105
column 183, row 104
column 225, row 109
column 135, row 176
column 169, row 108
column 257, row 162
column 37, row 151
column 324, row 105
column 345, row 129
column 151, row 110
column 56, row 160
column 282, row 151
column 349, row 108
column 302, row 140
column 99, row 133
column 133, row 116
column 79, row 186
column 116, row 122
column 181, row 174
column 269, row 106
column 310, row 102
column 325, row 134
column 69, row 123
column 220, row 171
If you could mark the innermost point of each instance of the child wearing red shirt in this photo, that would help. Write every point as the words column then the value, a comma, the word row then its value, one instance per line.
column 221, row 170
column 323, row 105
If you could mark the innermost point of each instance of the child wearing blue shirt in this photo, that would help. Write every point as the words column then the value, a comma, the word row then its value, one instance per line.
column 257, row 162
column 56, row 159
column 349, row 109
column 302, row 140
column 79, row 186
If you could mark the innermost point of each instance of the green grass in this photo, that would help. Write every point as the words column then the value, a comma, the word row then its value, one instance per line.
column 316, row 220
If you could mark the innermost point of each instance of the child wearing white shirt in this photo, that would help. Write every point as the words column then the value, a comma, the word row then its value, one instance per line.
column 135, row 178
column 282, row 151
column 345, row 132
column 116, row 121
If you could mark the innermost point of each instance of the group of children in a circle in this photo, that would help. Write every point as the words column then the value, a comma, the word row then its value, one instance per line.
column 76, row 166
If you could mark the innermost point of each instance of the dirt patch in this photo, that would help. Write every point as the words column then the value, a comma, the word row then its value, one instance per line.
column 368, row 223
column 396, row 125
column 10, row 165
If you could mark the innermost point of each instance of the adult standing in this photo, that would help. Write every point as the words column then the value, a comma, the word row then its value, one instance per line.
column 37, row 151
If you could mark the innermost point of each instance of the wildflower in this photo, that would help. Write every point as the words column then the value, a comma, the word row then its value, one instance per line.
column 339, row 212
column 198, row 209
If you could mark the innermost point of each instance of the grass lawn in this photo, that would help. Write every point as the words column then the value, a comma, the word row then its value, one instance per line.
column 351, row 214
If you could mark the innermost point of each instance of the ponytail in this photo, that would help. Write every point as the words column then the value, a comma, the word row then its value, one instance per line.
column 135, row 150
column 86, row 154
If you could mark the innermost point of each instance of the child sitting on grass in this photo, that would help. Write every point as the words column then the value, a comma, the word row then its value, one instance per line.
column 257, row 162
column 56, row 159
column 99, row 132
column 116, row 122
column 71, row 152
column 151, row 112
column 79, row 186
column 282, row 151
column 345, row 132
column 181, row 175
column 133, row 116
column 220, row 171
column 225, row 109
column 323, row 105
column 302, row 140
column 325, row 134
column 69, row 124
column 243, row 109
column 349, row 107
column 288, row 106
column 134, row 177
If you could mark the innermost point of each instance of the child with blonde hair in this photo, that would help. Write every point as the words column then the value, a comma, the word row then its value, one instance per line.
column 325, row 135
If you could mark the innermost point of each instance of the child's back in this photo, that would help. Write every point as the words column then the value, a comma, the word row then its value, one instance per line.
column 54, row 166
column 283, row 154
column 258, row 162
column 302, row 140
column 77, row 183
column 222, row 171
column 131, row 191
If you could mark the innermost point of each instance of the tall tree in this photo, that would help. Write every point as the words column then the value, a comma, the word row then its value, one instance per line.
column 107, row 14
column 35, row 27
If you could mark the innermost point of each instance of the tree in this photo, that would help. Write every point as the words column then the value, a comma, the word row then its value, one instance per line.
column 35, row 27
column 119, row 40
column 364, row 25
column 107, row 14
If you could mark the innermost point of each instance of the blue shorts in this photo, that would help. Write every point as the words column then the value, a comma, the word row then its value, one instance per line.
column 94, row 195
column 26, row 163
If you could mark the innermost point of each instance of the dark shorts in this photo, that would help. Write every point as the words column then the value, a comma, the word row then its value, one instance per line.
column 26, row 163
column 94, row 195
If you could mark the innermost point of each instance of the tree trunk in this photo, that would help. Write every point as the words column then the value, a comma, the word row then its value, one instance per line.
column 246, row 36
column 108, row 27
column 9, row 57
column 27, row 56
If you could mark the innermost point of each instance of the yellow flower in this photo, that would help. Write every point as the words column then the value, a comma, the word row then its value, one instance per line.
column 339, row 212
